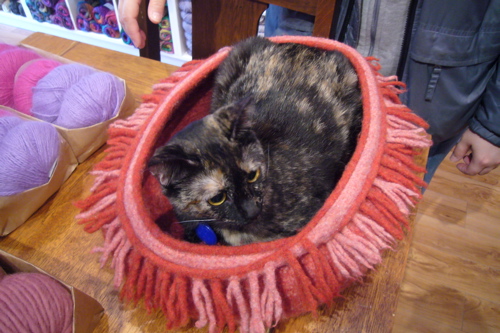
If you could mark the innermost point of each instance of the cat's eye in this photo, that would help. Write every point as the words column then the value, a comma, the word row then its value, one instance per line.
column 253, row 176
column 218, row 199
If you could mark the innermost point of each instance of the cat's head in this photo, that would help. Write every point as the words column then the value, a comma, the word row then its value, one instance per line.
column 214, row 169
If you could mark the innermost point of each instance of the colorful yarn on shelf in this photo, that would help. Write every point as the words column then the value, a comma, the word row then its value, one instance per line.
column 82, row 24
column 12, row 6
column 51, row 11
column 36, row 303
column 110, row 31
column 98, row 17
column 111, row 19
column 11, row 60
column 28, row 153
column 125, row 38
column 85, row 11
column 166, row 34
column 99, row 13
column 95, row 27
column 186, row 12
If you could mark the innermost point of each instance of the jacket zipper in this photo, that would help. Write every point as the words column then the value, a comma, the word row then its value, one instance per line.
column 407, row 35
column 373, row 30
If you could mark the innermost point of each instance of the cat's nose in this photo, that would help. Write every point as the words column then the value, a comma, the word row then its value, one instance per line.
column 250, row 209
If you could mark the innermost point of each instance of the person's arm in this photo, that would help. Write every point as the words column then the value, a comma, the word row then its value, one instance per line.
column 479, row 147
column 128, row 11
column 478, row 155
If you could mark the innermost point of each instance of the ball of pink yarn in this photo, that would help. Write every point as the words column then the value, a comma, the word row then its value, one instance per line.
column 28, row 153
column 26, row 79
column 34, row 302
column 49, row 92
column 5, row 47
column 4, row 113
column 92, row 100
column 10, row 62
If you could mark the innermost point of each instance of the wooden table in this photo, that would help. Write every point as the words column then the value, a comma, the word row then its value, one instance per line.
column 52, row 240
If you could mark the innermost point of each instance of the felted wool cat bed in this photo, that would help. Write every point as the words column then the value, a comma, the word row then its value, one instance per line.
column 254, row 286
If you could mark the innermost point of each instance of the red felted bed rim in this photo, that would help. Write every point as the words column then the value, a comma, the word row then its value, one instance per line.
column 254, row 286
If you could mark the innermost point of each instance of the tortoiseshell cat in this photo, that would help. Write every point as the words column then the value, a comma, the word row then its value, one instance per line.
column 284, row 123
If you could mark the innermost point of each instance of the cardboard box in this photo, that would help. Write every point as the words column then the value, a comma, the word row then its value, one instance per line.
column 86, row 310
column 16, row 209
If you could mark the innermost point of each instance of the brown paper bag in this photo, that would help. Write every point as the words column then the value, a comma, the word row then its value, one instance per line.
column 16, row 209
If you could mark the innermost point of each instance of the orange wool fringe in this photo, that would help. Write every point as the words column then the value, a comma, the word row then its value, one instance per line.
column 252, row 287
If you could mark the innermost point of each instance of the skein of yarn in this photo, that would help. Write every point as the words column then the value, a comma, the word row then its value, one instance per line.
column 48, row 94
column 28, row 153
column 5, row 47
column 7, row 122
column 4, row 113
column 93, row 99
column 26, row 79
column 99, row 13
column 10, row 62
column 34, row 302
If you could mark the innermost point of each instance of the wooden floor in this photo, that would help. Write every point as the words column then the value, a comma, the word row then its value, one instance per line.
column 452, row 281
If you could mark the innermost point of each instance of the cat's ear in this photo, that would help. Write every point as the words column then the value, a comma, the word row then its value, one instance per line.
column 235, row 119
column 170, row 165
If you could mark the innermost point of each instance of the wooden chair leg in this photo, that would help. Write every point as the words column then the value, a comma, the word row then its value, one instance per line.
column 323, row 21
column 152, row 48
column 224, row 23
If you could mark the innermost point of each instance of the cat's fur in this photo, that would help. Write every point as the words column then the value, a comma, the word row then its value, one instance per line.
column 291, row 112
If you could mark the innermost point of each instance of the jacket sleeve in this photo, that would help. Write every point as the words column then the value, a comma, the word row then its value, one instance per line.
column 486, row 120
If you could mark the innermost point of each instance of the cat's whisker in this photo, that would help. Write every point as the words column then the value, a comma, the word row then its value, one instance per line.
column 268, row 161
column 202, row 220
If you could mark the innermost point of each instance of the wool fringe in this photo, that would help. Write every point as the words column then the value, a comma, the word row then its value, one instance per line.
column 253, row 302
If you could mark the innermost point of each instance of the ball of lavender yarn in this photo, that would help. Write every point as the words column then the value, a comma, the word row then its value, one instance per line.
column 92, row 100
column 48, row 94
column 28, row 153
column 6, row 123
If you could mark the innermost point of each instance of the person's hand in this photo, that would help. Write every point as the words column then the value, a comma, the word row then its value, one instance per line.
column 478, row 155
column 128, row 11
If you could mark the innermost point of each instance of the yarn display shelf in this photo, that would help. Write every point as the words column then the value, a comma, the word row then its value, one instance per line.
column 76, row 35
column 178, row 58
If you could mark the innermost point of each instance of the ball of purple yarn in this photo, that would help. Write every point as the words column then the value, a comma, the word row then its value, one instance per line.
column 26, row 78
column 28, row 153
column 34, row 302
column 10, row 62
column 49, row 92
column 99, row 13
column 7, row 122
column 94, row 99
